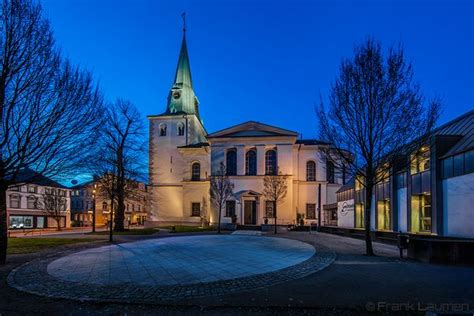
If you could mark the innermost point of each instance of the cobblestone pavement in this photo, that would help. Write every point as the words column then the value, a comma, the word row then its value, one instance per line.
column 125, row 272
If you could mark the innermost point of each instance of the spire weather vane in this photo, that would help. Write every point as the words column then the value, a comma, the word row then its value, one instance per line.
column 183, row 16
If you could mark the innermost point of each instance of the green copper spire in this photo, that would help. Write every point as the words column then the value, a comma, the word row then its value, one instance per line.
column 181, row 98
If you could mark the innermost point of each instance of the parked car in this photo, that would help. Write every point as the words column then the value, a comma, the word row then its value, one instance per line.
column 19, row 226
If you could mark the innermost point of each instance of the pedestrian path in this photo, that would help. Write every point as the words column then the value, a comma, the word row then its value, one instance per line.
column 247, row 232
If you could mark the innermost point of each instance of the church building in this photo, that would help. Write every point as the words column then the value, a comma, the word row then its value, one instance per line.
column 183, row 157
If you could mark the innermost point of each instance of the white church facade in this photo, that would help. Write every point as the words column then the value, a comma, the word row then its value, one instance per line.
column 183, row 157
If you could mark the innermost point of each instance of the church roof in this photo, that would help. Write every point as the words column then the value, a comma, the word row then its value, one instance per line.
column 196, row 145
column 181, row 98
column 183, row 69
column 311, row 142
column 252, row 129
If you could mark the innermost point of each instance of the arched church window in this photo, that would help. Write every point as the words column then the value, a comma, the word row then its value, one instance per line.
column 310, row 171
column 162, row 129
column 330, row 171
column 231, row 162
column 180, row 129
column 251, row 162
column 196, row 171
column 270, row 162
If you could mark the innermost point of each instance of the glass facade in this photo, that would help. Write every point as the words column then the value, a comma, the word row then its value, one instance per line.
column 359, row 215
column 421, row 213
column 458, row 165
column 421, row 161
column 384, row 215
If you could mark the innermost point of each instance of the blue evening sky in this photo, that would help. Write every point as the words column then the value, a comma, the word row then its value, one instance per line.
column 267, row 61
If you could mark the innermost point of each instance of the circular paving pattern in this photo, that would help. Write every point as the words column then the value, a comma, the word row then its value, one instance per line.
column 170, row 268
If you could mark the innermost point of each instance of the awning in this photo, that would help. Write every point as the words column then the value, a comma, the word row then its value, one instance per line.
column 331, row 206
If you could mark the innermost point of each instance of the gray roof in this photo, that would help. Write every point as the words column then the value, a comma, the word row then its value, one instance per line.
column 32, row 177
column 349, row 185
column 461, row 126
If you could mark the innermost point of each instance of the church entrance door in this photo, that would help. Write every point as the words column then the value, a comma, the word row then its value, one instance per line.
column 250, row 212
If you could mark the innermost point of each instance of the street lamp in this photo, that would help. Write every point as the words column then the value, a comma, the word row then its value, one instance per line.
column 93, row 207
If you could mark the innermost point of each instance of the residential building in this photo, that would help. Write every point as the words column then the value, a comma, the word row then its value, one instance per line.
column 84, row 196
column 26, row 207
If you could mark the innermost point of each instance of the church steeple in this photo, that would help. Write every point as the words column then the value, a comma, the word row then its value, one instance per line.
column 181, row 99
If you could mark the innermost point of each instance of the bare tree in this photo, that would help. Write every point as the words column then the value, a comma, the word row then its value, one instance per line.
column 54, row 204
column 274, row 189
column 49, row 109
column 221, row 190
column 120, row 162
column 378, row 114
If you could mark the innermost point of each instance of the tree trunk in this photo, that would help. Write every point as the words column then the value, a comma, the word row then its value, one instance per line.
column 275, row 215
column 58, row 222
column 119, row 216
column 219, row 220
column 3, row 224
column 111, row 221
column 368, row 205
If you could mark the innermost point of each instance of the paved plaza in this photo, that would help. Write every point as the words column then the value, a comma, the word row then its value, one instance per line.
column 171, row 268
column 336, row 279
column 180, row 260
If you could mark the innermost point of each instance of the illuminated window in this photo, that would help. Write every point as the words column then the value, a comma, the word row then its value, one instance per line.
column 421, row 213
column 271, row 162
column 251, row 162
column 383, row 215
column 420, row 161
column 359, row 215
column 310, row 171
column 104, row 206
column 359, row 183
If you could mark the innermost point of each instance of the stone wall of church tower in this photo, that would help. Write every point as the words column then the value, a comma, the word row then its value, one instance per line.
column 167, row 168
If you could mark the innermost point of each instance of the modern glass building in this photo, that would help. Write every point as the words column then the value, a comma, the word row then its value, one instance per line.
column 430, row 192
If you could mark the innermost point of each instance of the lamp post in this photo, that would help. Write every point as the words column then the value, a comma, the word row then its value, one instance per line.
column 93, row 207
